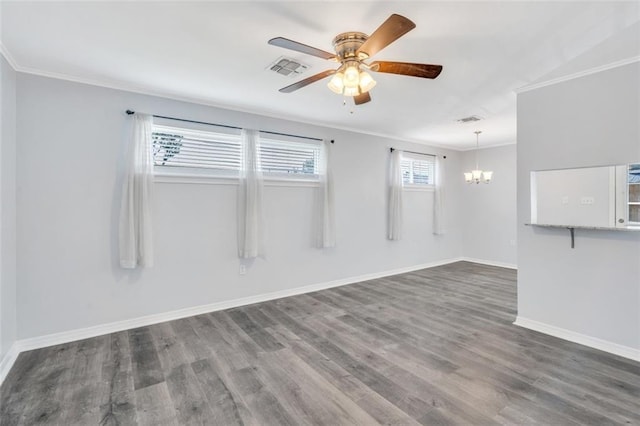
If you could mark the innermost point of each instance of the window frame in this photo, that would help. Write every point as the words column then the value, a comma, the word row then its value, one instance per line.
column 196, row 172
column 294, row 177
column 214, row 176
column 411, row 186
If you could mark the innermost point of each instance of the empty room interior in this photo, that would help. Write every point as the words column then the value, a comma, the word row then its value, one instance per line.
column 320, row 212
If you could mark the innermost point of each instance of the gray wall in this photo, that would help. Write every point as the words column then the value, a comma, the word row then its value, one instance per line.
column 593, row 289
column 7, row 206
column 489, row 218
column 69, row 163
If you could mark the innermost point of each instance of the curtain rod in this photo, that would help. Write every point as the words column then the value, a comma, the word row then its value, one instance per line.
column 416, row 152
column 130, row 112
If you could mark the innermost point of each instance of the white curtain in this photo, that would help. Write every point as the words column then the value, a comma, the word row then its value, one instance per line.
column 395, row 197
column 438, row 199
column 325, row 232
column 135, row 230
column 250, row 215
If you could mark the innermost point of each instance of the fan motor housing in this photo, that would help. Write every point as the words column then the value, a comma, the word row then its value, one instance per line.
column 346, row 45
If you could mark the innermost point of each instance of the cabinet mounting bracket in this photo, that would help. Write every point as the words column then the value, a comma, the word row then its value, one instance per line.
column 572, row 232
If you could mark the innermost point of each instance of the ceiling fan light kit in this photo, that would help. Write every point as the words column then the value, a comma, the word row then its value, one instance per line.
column 352, row 50
column 351, row 82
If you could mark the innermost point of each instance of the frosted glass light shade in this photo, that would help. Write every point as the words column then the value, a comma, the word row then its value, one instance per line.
column 351, row 91
column 366, row 82
column 477, row 174
column 335, row 84
column 351, row 76
column 487, row 176
column 350, row 81
column 468, row 177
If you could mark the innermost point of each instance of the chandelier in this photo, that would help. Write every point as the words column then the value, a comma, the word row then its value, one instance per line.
column 478, row 175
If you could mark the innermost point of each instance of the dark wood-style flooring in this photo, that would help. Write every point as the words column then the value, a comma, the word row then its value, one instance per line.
column 435, row 346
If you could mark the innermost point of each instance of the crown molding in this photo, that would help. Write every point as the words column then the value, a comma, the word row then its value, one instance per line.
column 118, row 85
column 579, row 74
column 4, row 52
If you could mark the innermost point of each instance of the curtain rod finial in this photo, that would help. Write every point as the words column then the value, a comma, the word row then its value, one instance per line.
column 129, row 112
column 333, row 141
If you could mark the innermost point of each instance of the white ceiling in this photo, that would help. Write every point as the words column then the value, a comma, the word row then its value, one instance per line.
column 217, row 53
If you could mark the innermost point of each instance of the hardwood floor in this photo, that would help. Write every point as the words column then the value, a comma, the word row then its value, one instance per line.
column 435, row 346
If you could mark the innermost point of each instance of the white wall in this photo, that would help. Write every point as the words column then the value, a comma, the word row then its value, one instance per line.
column 69, row 162
column 594, row 289
column 7, row 207
column 489, row 216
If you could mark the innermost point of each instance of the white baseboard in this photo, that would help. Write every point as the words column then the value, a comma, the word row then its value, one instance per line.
column 8, row 360
column 490, row 262
column 99, row 330
column 583, row 339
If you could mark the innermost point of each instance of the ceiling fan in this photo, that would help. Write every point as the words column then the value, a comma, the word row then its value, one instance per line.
column 352, row 50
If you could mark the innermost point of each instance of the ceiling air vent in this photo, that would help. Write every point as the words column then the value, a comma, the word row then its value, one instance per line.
column 469, row 119
column 288, row 67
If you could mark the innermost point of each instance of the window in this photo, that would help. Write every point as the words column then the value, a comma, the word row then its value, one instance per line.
column 634, row 194
column 418, row 169
column 186, row 151
column 193, row 149
column 280, row 157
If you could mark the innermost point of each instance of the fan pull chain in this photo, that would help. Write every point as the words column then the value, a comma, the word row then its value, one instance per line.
column 344, row 104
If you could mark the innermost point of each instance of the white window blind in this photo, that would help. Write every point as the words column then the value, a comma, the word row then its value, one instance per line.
column 208, row 152
column 418, row 169
column 280, row 157
column 175, row 147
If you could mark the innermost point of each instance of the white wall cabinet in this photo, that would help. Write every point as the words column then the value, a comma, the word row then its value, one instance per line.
column 595, row 197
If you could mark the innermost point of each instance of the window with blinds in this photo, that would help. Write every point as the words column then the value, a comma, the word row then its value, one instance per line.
column 289, row 158
column 202, row 152
column 418, row 169
column 193, row 149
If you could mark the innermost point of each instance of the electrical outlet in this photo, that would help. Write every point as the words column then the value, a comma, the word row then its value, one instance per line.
column 243, row 269
column 587, row 201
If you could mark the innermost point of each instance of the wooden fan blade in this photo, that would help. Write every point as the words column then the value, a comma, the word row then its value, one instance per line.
column 299, row 47
column 392, row 29
column 362, row 98
column 307, row 81
column 406, row 68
